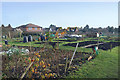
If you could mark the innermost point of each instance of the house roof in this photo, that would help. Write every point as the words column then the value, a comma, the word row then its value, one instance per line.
column 30, row 25
column 23, row 27
column 33, row 25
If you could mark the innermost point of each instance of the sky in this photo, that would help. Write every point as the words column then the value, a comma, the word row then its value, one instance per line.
column 119, row 13
column 61, row 14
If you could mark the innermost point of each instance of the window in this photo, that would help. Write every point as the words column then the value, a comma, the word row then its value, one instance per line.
column 40, row 28
column 30, row 28
column 35, row 28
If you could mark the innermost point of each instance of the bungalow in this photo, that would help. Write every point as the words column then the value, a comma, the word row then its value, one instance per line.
column 30, row 29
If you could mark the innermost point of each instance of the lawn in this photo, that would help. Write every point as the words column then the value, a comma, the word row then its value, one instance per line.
column 105, row 65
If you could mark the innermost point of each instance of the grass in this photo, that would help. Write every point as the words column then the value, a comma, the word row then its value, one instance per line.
column 79, row 49
column 105, row 65
column 11, row 42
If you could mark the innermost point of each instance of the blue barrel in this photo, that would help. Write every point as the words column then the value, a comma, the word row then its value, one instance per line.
column 33, row 39
column 6, row 42
column 5, row 36
column 25, row 39
column 30, row 38
column 42, row 38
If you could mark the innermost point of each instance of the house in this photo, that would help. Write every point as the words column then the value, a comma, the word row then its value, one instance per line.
column 58, row 28
column 46, row 29
column 30, row 29
column 8, row 31
column 72, row 29
column 53, row 28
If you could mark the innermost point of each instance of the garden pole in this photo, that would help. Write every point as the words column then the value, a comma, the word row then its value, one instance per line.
column 73, row 55
column 66, row 63
column 26, row 71
column 98, row 41
column 58, row 40
column 30, row 46
column 97, row 45
column 110, row 47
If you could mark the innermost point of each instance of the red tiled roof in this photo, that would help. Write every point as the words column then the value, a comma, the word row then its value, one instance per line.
column 29, row 25
column 33, row 25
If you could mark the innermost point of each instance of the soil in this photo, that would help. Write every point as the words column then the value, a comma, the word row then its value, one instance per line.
column 49, row 56
column 104, row 46
column 51, row 43
column 44, row 42
column 28, row 47
column 107, row 46
column 38, row 48
column 39, row 42
column 81, row 43
column 66, row 40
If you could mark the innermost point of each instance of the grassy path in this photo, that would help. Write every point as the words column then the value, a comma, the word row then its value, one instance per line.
column 105, row 65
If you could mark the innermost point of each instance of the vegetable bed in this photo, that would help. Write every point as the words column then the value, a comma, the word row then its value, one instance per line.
column 47, row 63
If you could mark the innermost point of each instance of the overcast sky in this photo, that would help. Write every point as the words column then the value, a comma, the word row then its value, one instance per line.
column 62, row 14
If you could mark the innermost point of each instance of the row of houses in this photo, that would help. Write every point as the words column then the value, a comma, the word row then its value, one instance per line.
column 53, row 28
column 35, row 29
column 32, row 28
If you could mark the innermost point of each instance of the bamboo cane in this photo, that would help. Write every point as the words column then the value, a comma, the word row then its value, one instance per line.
column 73, row 55
column 58, row 41
column 30, row 46
column 110, row 47
column 26, row 71
column 66, row 64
